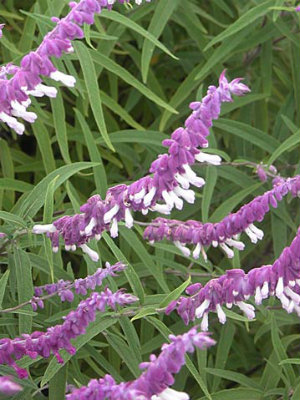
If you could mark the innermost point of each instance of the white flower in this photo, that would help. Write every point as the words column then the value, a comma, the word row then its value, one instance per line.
column 170, row 394
column 108, row 216
column 67, row 80
column 91, row 253
column 209, row 158
column 13, row 123
column 37, row 229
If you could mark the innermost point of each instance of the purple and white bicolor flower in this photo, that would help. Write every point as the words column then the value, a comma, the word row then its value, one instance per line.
column 167, row 186
column 223, row 234
column 59, row 337
column 26, row 80
column 155, row 381
column 235, row 287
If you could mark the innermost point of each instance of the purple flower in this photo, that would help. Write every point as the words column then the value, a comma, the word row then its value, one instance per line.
column 154, row 383
column 297, row 8
column 235, row 287
column 26, row 80
column 1, row 27
column 223, row 233
column 64, row 288
column 165, row 189
column 59, row 337
column 8, row 386
column 261, row 173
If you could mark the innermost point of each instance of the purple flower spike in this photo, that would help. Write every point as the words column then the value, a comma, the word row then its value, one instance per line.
column 27, row 79
column 167, row 187
column 223, row 233
column 8, row 386
column 64, row 288
column 282, row 279
column 154, row 383
column 59, row 336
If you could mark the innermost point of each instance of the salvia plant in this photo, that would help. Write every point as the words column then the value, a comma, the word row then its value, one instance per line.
column 149, row 192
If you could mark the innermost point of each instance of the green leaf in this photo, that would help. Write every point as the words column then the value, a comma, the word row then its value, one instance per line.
column 288, row 144
column 3, row 283
column 123, row 73
column 235, row 377
column 175, row 293
column 144, row 313
column 48, row 207
column 91, row 83
column 25, row 287
column 57, row 385
column 59, row 117
column 35, row 200
column 12, row 219
column 129, row 23
column 245, row 20
column 14, row 184
column 99, row 171
column 161, row 16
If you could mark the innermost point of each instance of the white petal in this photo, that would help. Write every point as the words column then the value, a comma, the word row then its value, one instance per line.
column 67, row 80
column 248, row 309
column 197, row 250
column 258, row 232
column 251, row 235
column 236, row 244
column 168, row 199
column 108, row 216
column 294, row 296
column 209, row 158
column 177, row 201
column 170, row 394
column 43, row 228
column 185, row 250
column 202, row 308
column 258, row 296
column 204, row 322
column 91, row 253
column 279, row 287
column 138, row 197
column 114, row 228
column 161, row 208
column 187, row 195
column 149, row 196
column 227, row 250
column 221, row 314
column 265, row 290
column 184, row 182
column 43, row 90
column 88, row 229
column 128, row 218
column 13, row 123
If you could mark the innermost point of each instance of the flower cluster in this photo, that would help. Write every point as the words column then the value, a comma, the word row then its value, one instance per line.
column 282, row 279
column 18, row 83
column 158, row 376
column 59, row 337
column 169, row 183
column 64, row 288
column 223, row 233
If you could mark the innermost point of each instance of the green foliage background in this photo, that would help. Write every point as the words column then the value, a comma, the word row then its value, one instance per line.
column 131, row 92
